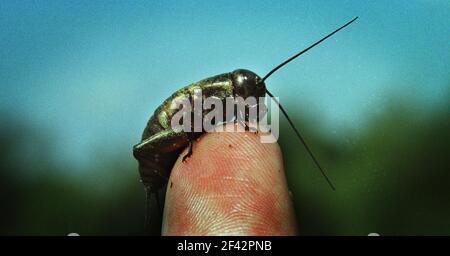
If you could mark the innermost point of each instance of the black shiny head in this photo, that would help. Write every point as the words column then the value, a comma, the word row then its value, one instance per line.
column 246, row 83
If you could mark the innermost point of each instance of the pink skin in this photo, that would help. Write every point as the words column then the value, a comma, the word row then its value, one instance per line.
column 231, row 185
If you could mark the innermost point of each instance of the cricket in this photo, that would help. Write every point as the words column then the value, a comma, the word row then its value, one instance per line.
column 161, row 145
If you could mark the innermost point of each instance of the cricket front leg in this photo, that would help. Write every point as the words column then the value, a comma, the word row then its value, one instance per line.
column 191, row 137
column 192, row 134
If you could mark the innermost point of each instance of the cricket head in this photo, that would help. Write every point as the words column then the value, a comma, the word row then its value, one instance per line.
column 246, row 83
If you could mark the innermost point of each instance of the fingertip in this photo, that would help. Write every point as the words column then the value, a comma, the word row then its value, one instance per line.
column 232, row 184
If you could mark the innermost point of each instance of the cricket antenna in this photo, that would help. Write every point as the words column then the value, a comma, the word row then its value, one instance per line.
column 302, row 140
column 284, row 111
column 305, row 50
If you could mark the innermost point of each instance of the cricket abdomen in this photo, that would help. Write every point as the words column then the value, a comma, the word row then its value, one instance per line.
column 160, row 145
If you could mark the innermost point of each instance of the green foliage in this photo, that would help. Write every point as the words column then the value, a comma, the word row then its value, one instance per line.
column 392, row 177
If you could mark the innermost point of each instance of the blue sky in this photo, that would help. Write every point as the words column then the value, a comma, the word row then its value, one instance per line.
column 90, row 73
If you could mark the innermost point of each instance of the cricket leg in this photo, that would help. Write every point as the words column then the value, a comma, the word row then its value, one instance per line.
column 242, row 120
column 156, row 158
column 191, row 135
column 191, row 138
column 153, row 213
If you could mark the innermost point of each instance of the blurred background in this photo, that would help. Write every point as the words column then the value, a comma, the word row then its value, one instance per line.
column 79, row 80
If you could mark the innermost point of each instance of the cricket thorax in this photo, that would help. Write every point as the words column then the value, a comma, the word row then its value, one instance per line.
column 220, row 86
